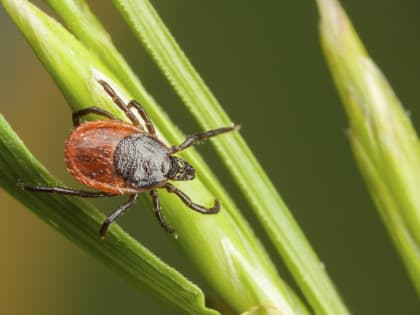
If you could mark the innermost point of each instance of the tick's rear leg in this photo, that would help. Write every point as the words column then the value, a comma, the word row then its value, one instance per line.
column 215, row 209
column 65, row 191
column 117, row 213
column 158, row 213
column 91, row 110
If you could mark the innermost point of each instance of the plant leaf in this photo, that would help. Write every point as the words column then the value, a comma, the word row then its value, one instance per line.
column 384, row 141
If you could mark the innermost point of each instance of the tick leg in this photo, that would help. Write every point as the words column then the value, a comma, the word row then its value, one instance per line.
column 158, row 214
column 143, row 114
column 117, row 213
column 202, row 136
column 215, row 209
column 65, row 191
column 91, row 110
column 119, row 102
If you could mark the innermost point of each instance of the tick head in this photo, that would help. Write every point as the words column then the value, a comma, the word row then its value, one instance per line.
column 181, row 170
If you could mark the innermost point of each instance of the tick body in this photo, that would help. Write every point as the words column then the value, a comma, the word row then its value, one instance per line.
column 117, row 158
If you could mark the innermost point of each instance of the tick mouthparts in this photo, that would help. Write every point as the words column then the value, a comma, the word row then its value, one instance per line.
column 181, row 170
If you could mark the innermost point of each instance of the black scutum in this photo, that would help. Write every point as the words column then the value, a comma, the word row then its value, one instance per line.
column 142, row 161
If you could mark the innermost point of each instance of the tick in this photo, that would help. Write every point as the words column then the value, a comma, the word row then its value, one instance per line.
column 118, row 158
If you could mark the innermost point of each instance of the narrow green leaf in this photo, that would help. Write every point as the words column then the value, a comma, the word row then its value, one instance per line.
column 79, row 222
column 268, row 205
column 222, row 246
column 384, row 141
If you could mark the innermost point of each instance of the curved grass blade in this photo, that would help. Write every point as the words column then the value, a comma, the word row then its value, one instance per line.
column 384, row 141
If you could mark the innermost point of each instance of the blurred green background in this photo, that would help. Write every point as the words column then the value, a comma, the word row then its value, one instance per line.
column 264, row 63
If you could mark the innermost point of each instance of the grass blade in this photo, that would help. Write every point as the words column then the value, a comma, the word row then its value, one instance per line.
column 384, row 141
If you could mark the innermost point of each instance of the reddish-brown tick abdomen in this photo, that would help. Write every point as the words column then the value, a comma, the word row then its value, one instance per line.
column 89, row 154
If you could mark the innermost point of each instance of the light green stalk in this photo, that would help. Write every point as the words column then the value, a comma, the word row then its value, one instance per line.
column 384, row 141
column 221, row 246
